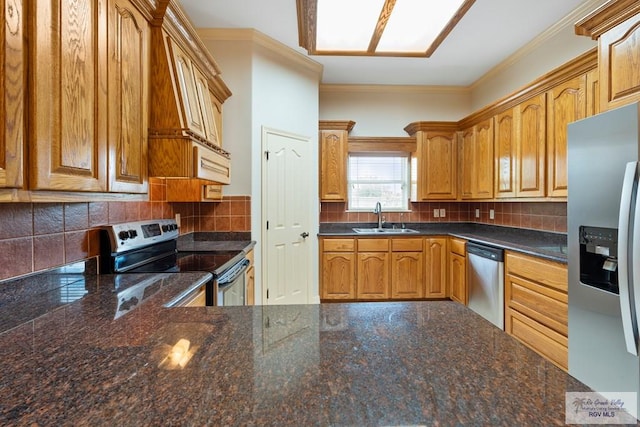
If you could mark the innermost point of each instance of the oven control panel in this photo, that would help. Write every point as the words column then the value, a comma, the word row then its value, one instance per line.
column 137, row 234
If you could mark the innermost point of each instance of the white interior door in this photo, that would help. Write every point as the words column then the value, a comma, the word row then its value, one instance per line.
column 287, row 196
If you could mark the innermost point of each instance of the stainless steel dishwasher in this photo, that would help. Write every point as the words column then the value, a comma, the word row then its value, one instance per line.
column 485, row 282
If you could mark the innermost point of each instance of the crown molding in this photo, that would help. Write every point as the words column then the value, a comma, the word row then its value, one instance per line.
column 568, row 21
column 355, row 88
column 263, row 41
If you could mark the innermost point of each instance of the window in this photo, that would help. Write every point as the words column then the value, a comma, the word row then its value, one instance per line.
column 380, row 178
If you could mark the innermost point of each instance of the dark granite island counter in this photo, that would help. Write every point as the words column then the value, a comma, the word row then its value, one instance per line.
column 431, row 363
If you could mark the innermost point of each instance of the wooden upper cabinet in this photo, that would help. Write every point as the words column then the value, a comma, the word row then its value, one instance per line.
column 333, row 160
column 484, row 160
column 593, row 93
column 467, row 163
column 436, row 158
column 477, row 161
column 12, row 90
column 616, row 26
column 505, row 154
column 189, row 95
column 565, row 104
column 531, row 147
column 68, row 85
column 128, row 98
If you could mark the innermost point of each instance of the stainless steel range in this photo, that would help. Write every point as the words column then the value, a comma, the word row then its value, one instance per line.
column 151, row 247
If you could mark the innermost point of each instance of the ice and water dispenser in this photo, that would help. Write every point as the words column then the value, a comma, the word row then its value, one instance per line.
column 599, row 258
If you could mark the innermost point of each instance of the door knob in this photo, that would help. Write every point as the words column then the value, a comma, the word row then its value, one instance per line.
column 304, row 235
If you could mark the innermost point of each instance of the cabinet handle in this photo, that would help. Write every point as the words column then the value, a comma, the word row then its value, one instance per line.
column 304, row 235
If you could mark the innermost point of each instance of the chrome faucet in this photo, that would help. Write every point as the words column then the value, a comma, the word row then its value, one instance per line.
column 378, row 211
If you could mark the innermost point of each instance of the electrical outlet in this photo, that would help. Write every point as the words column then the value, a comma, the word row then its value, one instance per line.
column 443, row 213
column 436, row 213
column 492, row 214
column 178, row 219
column 477, row 213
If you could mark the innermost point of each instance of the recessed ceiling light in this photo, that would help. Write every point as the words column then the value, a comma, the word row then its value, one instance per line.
column 377, row 27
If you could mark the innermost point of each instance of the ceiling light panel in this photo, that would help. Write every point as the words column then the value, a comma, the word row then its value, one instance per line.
column 415, row 24
column 346, row 25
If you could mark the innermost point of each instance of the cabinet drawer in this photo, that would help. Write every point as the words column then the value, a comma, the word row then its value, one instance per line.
column 338, row 245
column 210, row 165
column 548, row 273
column 545, row 305
column 406, row 245
column 373, row 245
column 538, row 337
column 458, row 246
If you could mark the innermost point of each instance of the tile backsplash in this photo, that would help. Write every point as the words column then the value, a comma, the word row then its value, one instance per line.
column 37, row 236
column 547, row 216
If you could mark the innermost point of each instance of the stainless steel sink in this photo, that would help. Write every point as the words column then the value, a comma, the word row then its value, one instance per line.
column 384, row 230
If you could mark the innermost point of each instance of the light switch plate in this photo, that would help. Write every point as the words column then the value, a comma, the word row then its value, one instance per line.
column 477, row 213
column 443, row 213
column 436, row 213
column 492, row 214
column 178, row 219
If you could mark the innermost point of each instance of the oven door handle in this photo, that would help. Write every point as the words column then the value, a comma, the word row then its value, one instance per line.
column 233, row 273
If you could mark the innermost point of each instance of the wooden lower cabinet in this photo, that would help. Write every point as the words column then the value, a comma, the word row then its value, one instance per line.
column 396, row 268
column 458, row 271
column 407, row 277
column 536, row 310
column 338, row 269
column 435, row 253
column 250, row 281
column 373, row 269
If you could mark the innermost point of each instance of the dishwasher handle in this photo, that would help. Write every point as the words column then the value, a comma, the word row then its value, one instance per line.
column 484, row 251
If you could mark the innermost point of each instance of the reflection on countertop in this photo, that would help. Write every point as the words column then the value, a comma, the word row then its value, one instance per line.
column 551, row 246
column 428, row 362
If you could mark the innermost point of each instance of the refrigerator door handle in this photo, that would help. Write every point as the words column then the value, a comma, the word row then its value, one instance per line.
column 628, row 312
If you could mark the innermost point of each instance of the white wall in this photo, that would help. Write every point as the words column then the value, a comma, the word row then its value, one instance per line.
column 386, row 110
column 235, row 61
column 526, row 67
column 275, row 88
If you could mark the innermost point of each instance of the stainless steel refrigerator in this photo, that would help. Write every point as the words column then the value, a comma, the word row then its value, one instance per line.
column 603, row 219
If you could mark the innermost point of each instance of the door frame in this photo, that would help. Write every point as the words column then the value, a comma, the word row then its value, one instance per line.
column 313, row 292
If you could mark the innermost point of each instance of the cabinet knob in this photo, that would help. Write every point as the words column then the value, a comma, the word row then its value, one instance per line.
column 304, row 235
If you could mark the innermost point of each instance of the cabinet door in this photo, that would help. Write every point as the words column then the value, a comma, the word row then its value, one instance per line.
column 206, row 107
column 593, row 93
column 467, row 164
column 505, row 154
column 333, row 165
column 619, row 56
column 436, row 267
column 531, row 147
column 407, row 275
column 437, row 179
column 68, row 133
column 338, row 275
column 373, row 275
column 184, row 72
column 484, row 160
column 128, row 98
column 565, row 104
column 250, row 278
column 12, row 88
column 458, row 278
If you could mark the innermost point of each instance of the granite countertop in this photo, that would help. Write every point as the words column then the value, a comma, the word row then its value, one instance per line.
column 80, row 360
column 551, row 246
column 216, row 242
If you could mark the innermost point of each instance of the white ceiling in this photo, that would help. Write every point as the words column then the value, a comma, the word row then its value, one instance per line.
column 489, row 33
